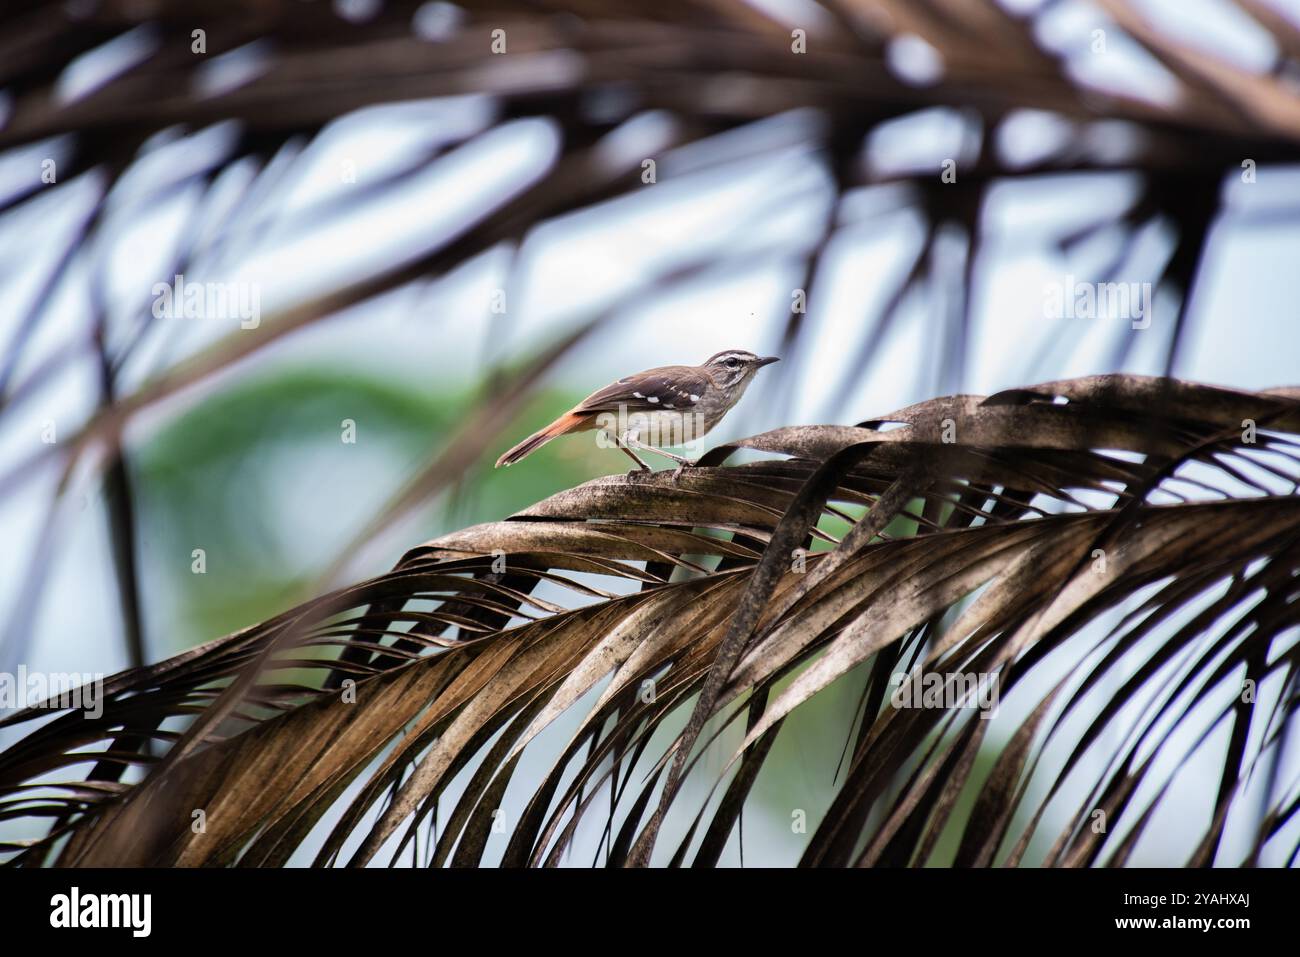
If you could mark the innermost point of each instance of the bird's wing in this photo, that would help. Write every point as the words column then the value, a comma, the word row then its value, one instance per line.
column 670, row 387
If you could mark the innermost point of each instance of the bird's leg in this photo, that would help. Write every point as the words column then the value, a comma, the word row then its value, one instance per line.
column 683, row 463
column 626, row 442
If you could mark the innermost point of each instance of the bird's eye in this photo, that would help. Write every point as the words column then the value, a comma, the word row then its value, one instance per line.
column 732, row 363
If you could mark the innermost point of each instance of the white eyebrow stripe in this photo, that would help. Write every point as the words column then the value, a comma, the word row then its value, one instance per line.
column 724, row 356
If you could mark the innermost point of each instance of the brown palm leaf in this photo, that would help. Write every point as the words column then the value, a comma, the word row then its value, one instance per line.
column 1118, row 555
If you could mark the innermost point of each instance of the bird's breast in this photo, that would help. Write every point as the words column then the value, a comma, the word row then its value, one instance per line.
column 666, row 428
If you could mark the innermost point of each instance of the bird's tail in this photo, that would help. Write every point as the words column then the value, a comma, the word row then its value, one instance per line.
column 563, row 424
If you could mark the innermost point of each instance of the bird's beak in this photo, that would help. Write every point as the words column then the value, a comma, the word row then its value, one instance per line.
column 768, row 360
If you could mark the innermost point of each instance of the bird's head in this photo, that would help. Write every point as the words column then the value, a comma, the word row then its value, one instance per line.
column 734, row 367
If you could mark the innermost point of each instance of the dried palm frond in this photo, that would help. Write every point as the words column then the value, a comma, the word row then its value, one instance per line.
column 1146, row 531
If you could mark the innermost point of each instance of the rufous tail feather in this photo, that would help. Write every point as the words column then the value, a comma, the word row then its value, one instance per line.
column 528, row 446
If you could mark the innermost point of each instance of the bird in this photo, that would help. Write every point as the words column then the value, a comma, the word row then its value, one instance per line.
column 670, row 405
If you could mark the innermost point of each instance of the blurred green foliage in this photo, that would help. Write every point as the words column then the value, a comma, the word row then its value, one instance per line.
column 260, row 478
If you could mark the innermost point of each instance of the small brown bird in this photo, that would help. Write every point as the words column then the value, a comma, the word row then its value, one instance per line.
column 670, row 405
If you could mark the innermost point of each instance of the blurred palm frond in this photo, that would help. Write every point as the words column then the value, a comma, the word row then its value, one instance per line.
column 106, row 86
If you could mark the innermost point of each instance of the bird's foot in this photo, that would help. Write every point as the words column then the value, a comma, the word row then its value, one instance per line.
column 685, row 464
